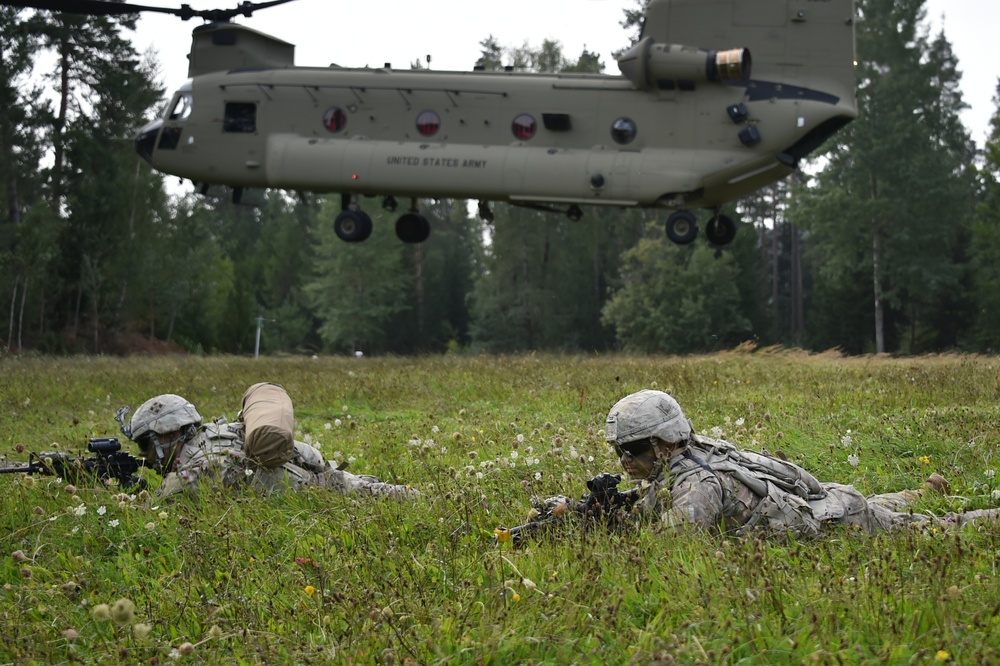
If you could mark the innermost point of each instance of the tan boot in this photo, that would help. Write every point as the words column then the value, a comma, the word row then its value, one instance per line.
column 938, row 484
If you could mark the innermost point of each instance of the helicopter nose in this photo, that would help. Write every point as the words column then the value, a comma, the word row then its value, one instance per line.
column 145, row 140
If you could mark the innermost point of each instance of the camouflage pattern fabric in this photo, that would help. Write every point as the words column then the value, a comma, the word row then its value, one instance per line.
column 704, row 485
column 216, row 455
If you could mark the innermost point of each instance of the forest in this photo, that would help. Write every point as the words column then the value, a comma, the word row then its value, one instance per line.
column 888, row 241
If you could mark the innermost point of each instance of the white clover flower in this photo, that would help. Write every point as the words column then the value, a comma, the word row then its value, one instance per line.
column 344, row 409
column 590, row 458
column 101, row 510
column 846, row 441
column 996, row 495
column 716, row 432
column 80, row 510
column 435, row 429
column 538, row 476
column 113, row 523
column 163, row 515
column 248, row 471
column 740, row 421
column 351, row 458
column 444, row 449
column 479, row 475
column 414, row 442
column 853, row 460
column 328, row 425
column 520, row 438
column 429, row 442
column 513, row 454
column 338, row 422
column 990, row 473
column 75, row 530
column 27, row 401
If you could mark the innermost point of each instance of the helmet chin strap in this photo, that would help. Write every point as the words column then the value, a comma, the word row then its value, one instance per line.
column 162, row 448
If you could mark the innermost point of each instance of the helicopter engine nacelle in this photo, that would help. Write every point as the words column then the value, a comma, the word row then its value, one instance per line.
column 677, row 67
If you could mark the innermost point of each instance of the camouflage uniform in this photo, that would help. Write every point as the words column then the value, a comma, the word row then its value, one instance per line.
column 710, row 484
column 216, row 453
column 171, row 437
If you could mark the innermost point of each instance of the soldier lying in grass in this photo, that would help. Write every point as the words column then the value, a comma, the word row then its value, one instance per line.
column 188, row 453
column 684, row 479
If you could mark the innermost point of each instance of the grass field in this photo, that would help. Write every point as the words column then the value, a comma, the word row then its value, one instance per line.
column 316, row 578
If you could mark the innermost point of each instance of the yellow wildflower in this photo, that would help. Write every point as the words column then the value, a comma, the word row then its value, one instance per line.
column 517, row 597
column 502, row 535
column 310, row 590
column 927, row 461
column 942, row 656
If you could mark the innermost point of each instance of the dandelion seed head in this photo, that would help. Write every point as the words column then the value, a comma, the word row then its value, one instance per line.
column 101, row 612
column 123, row 611
column 141, row 630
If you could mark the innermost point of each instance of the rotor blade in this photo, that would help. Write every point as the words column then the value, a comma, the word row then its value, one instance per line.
column 96, row 7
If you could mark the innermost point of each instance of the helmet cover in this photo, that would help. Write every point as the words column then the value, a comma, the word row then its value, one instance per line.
column 163, row 414
column 647, row 413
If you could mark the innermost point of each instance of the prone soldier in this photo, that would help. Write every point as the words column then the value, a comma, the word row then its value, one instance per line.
column 686, row 480
column 187, row 452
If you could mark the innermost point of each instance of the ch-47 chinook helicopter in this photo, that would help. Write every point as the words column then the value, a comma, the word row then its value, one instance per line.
column 717, row 99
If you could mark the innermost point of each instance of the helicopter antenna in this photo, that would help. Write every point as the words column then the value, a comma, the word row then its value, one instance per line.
column 185, row 12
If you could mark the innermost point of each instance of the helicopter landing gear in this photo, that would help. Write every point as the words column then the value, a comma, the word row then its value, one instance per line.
column 353, row 226
column 682, row 227
column 574, row 213
column 412, row 227
column 720, row 230
column 485, row 213
column 390, row 204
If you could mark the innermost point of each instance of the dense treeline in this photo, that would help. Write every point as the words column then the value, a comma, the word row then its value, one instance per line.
column 889, row 242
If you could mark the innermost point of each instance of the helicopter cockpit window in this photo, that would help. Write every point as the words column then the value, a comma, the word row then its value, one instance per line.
column 240, row 117
column 428, row 123
column 524, row 126
column 335, row 119
column 623, row 130
column 181, row 107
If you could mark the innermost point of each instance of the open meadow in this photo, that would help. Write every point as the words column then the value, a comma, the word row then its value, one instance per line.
column 317, row 578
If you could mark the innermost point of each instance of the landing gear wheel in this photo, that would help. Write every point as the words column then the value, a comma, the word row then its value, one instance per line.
column 721, row 230
column 352, row 226
column 413, row 228
column 682, row 227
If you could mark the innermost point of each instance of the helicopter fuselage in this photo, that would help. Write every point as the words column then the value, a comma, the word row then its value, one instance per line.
column 682, row 127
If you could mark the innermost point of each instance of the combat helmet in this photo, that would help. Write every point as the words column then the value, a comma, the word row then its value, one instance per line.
column 645, row 414
column 162, row 415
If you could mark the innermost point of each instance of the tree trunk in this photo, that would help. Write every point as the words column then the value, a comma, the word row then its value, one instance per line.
column 13, row 304
column 597, row 283
column 797, row 301
column 20, row 315
column 418, row 259
column 774, row 261
column 57, row 134
column 877, row 273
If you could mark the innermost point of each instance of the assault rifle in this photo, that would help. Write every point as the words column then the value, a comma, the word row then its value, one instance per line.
column 601, row 504
column 108, row 464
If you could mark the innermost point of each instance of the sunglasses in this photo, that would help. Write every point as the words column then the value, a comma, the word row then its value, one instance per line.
column 637, row 448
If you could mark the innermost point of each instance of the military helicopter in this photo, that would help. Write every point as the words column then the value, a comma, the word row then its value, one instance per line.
column 717, row 99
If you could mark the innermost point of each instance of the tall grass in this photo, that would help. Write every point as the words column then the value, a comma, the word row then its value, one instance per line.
column 316, row 577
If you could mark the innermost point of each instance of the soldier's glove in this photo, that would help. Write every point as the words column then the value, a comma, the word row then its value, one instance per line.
column 552, row 506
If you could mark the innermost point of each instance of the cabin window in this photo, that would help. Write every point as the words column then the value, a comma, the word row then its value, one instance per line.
column 623, row 130
column 181, row 107
column 240, row 117
column 524, row 126
column 335, row 119
column 428, row 123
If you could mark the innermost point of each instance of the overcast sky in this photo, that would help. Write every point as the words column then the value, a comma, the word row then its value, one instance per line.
column 375, row 32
